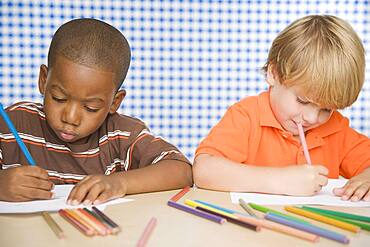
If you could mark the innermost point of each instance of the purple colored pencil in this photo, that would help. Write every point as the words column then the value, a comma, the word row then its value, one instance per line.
column 308, row 228
column 197, row 212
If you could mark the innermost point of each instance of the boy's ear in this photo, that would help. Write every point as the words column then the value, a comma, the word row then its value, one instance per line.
column 271, row 75
column 117, row 100
column 43, row 75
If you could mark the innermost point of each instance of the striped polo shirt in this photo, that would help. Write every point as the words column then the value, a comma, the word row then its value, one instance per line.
column 121, row 143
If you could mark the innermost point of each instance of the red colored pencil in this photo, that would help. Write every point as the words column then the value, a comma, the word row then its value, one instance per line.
column 101, row 229
column 82, row 228
column 176, row 197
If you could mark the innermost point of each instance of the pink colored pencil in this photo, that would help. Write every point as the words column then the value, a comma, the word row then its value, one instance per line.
column 304, row 144
column 147, row 231
column 176, row 197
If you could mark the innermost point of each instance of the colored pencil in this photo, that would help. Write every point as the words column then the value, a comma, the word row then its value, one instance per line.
column 247, row 208
column 180, row 194
column 266, row 210
column 226, row 210
column 82, row 228
column 304, row 144
column 340, row 214
column 100, row 228
column 356, row 223
column 308, row 228
column 282, row 228
column 21, row 144
column 199, row 213
column 77, row 217
column 110, row 230
column 53, row 225
column 229, row 217
column 106, row 218
column 147, row 231
column 321, row 218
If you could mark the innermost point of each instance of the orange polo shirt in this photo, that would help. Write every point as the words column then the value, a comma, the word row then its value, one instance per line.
column 250, row 134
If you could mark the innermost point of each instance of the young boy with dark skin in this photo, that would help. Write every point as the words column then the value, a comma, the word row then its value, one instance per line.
column 316, row 65
column 87, row 63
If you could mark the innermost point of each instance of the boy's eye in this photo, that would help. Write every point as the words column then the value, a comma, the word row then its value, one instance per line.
column 60, row 100
column 91, row 109
column 302, row 101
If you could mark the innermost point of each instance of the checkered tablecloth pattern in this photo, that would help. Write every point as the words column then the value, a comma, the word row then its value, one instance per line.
column 191, row 59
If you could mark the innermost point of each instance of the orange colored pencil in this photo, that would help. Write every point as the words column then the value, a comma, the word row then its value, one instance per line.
column 180, row 194
column 97, row 220
column 321, row 218
column 101, row 230
column 280, row 228
column 82, row 228
column 77, row 217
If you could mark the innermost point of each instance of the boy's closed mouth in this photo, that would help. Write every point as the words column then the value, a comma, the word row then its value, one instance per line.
column 67, row 135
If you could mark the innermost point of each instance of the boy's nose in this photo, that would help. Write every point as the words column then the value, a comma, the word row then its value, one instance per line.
column 71, row 115
column 311, row 115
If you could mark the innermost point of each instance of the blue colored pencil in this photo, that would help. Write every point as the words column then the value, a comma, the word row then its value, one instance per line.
column 308, row 228
column 11, row 127
column 230, row 211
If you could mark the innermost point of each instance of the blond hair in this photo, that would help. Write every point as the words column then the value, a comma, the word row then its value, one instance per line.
column 322, row 55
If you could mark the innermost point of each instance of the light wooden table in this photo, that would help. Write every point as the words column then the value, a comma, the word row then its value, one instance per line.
column 174, row 227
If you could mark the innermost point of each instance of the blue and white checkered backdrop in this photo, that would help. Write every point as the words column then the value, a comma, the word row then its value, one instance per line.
column 191, row 59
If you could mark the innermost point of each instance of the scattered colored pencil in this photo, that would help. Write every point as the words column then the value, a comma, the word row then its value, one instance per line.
column 356, row 223
column 340, row 214
column 106, row 219
column 53, row 225
column 226, row 210
column 21, row 144
column 324, row 219
column 308, row 228
column 147, row 231
column 199, row 213
column 247, row 208
column 266, row 210
column 229, row 217
column 77, row 217
column 94, row 223
column 176, row 197
column 110, row 230
column 85, row 230
column 304, row 144
column 282, row 228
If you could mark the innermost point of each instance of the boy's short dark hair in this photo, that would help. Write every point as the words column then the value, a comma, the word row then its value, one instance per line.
column 92, row 43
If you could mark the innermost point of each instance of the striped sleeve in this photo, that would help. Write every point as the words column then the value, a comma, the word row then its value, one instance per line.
column 147, row 149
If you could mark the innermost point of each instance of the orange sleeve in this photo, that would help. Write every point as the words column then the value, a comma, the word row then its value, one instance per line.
column 229, row 138
column 356, row 153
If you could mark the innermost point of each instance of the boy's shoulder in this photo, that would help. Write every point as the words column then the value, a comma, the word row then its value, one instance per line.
column 251, row 105
column 122, row 122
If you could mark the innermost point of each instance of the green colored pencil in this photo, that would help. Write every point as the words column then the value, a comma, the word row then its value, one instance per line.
column 266, row 210
column 353, row 222
column 339, row 214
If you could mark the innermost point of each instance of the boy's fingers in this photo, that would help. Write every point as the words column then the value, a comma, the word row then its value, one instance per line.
column 323, row 180
column 93, row 193
column 360, row 192
column 80, row 191
column 367, row 196
column 104, row 197
column 35, row 171
column 36, row 183
column 338, row 191
column 32, row 193
column 349, row 189
column 322, row 170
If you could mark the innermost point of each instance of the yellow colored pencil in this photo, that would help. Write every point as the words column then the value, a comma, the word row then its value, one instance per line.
column 53, row 225
column 324, row 219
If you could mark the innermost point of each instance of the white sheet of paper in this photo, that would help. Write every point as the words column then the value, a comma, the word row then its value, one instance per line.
column 59, row 202
column 324, row 197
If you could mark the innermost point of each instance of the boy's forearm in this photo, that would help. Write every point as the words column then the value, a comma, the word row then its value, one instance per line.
column 220, row 174
column 165, row 175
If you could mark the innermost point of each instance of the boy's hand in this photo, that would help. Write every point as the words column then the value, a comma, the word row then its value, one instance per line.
column 357, row 188
column 25, row 183
column 96, row 189
column 304, row 180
